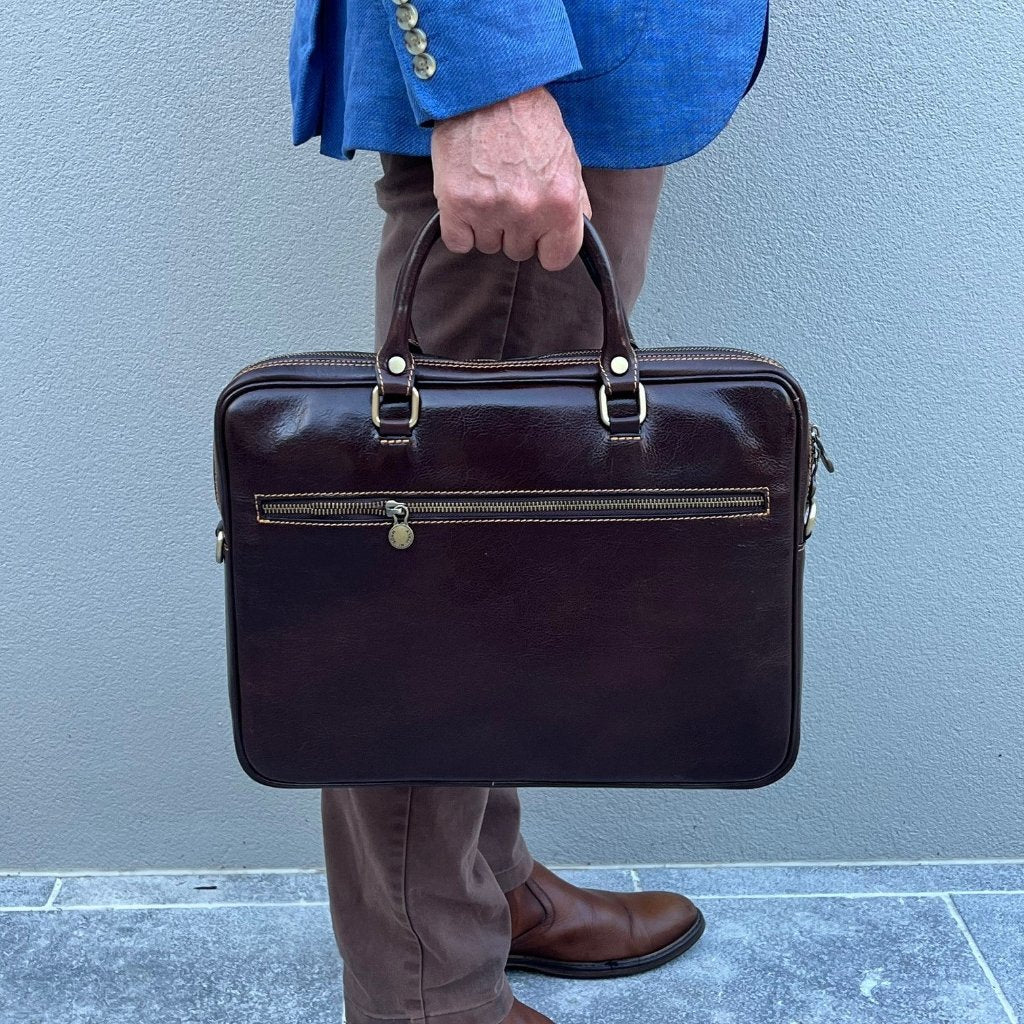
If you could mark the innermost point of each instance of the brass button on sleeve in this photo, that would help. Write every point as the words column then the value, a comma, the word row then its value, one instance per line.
column 406, row 15
column 416, row 41
column 424, row 65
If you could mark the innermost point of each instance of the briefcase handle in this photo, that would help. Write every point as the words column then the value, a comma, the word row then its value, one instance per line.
column 396, row 399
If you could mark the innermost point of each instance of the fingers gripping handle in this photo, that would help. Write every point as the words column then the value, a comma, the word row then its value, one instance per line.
column 618, row 355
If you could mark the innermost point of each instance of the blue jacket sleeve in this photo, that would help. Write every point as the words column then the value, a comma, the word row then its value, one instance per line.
column 460, row 55
column 305, row 70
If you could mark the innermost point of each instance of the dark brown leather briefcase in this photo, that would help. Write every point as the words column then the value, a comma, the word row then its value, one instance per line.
column 577, row 569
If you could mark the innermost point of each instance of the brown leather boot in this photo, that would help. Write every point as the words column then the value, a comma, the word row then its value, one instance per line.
column 523, row 1014
column 560, row 929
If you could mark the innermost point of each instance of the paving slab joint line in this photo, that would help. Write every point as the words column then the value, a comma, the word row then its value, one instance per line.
column 876, row 894
column 1011, row 1014
column 57, row 883
column 51, row 906
column 635, row 876
column 210, row 905
column 657, row 866
column 715, row 864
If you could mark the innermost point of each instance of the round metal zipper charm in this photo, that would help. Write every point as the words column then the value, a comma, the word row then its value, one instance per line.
column 400, row 535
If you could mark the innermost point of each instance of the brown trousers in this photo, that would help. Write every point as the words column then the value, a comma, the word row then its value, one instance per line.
column 417, row 874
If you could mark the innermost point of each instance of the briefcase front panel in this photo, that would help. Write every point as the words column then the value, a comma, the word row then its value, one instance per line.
column 510, row 594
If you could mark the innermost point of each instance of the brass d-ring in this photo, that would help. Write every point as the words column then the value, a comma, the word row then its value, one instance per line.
column 414, row 412
column 602, row 403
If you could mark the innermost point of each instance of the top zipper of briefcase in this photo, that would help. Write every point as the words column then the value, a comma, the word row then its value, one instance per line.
column 367, row 510
column 321, row 355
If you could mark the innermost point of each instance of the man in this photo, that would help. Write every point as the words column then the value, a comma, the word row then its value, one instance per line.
column 514, row 119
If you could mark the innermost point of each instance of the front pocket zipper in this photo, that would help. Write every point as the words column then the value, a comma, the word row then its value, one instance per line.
column 401, row 511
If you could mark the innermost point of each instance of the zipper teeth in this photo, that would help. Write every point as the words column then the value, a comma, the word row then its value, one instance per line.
column 312, row 358
column 529, row 506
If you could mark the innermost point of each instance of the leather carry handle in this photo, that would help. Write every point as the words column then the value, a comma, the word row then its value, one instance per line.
column 617, row 360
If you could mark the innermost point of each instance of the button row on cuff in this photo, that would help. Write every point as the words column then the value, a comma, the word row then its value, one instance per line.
column 423, row 63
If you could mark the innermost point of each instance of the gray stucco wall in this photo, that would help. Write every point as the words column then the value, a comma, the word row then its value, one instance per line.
column 860, row 219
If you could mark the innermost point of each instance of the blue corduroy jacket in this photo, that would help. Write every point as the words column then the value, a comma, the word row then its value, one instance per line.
column 639, row 82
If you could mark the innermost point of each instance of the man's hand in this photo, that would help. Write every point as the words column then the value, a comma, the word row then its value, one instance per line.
column 507, row 179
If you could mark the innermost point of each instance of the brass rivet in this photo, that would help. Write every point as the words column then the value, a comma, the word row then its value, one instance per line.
column 396, row 364
column 619, row 365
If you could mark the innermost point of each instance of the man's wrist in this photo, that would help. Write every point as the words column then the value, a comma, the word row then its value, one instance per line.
column 519, row 101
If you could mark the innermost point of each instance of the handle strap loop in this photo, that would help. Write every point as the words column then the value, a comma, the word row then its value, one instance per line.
column 394, row 360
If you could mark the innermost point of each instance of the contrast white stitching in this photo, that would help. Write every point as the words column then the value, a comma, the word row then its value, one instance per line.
column 558, row 519
column 502, row 364
column 515, row 490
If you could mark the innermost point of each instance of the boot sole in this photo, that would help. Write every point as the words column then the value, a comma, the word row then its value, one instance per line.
column 610, row 968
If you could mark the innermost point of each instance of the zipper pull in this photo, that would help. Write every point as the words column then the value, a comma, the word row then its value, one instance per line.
column 400, row 535
column 221, row 544
column 818, row 454
column 819, row 450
